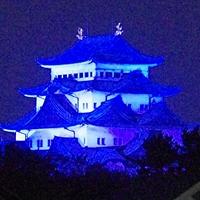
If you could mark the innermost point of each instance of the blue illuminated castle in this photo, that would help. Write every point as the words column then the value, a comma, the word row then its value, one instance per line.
column 100, row 94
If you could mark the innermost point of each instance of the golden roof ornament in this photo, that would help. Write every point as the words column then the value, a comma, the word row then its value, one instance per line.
column 80, row 33
column 119, row 30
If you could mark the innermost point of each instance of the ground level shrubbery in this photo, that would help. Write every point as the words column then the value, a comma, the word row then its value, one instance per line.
column 166, row 171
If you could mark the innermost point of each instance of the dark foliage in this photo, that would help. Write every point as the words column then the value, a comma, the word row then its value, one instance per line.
column 191, row 151
column 160, row 151
column 27, row 175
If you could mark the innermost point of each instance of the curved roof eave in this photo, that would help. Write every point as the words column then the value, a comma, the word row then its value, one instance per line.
column 103, row 48
column 72, row 64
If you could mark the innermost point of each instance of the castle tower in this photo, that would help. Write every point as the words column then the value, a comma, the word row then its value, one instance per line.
column 98, row 91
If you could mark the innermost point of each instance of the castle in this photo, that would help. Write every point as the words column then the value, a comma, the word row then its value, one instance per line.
column 99, row 93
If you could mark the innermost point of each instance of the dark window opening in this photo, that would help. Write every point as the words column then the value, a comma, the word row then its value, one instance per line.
column 101, row 74
column 49, row 142
column 116, row 75
column 103, row 141
column 76, row 75
column 81, row 75
column 30, row 143
column 117, row 141
column 108, row 74
column 141, row 107
column 65, row 76
column 146, row 107
column 98, row 141
column 39, row 143
column 86, row 74
column 95, row 105
column 90, row 74
column 70, row 75
column 59, row 76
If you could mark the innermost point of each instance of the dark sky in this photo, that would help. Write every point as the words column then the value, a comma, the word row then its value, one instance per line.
column 41, row 28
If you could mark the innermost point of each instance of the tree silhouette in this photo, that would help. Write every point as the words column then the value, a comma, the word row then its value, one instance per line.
column 160, row 151
column 191, row 150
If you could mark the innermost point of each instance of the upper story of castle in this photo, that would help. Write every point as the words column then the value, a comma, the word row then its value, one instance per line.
column 99, row 57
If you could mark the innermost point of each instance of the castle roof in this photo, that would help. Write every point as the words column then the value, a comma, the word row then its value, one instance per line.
column 159, row 116
column 71, row 149
column 57, row 111
column 113, row 113
column 135, row 144
column 134, row 82
column 101, row 49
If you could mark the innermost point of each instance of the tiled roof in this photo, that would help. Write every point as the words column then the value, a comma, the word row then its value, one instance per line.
column 159, row 116
column 102, row 49
column 57, row 111
column 113, row 113
column 135, row 83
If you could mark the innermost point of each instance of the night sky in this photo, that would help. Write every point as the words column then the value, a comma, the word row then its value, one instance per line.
column 30, row 29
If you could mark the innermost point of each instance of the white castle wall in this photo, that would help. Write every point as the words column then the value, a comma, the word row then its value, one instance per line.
column 122, row 68
column 45, row 135
column 93, row 69
column 97, row 136
column 67, row 70
column 87, row 99
column 90, row 136
column 39, row 102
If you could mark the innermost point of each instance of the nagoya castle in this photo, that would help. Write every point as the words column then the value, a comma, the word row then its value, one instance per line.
column 100, row 95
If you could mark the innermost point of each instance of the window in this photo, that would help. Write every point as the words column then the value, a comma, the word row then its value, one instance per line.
column 129, row 105
column 116, row 75
column 70, row 75
column 103, row 141
column 146, row 106
column 95, row 105
column 30, row 143
column 39, row 143
column 83, row 105
column 80, row 75
column 98, row 141
column 86, row 105
column 141, row 107
column 49, row 142
column 65, row 76
column 115, row 141
column 108, row 74
column 86, row 74
column 101, row 74
column 59, row 76
column 90, row 74
column 76, row 75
